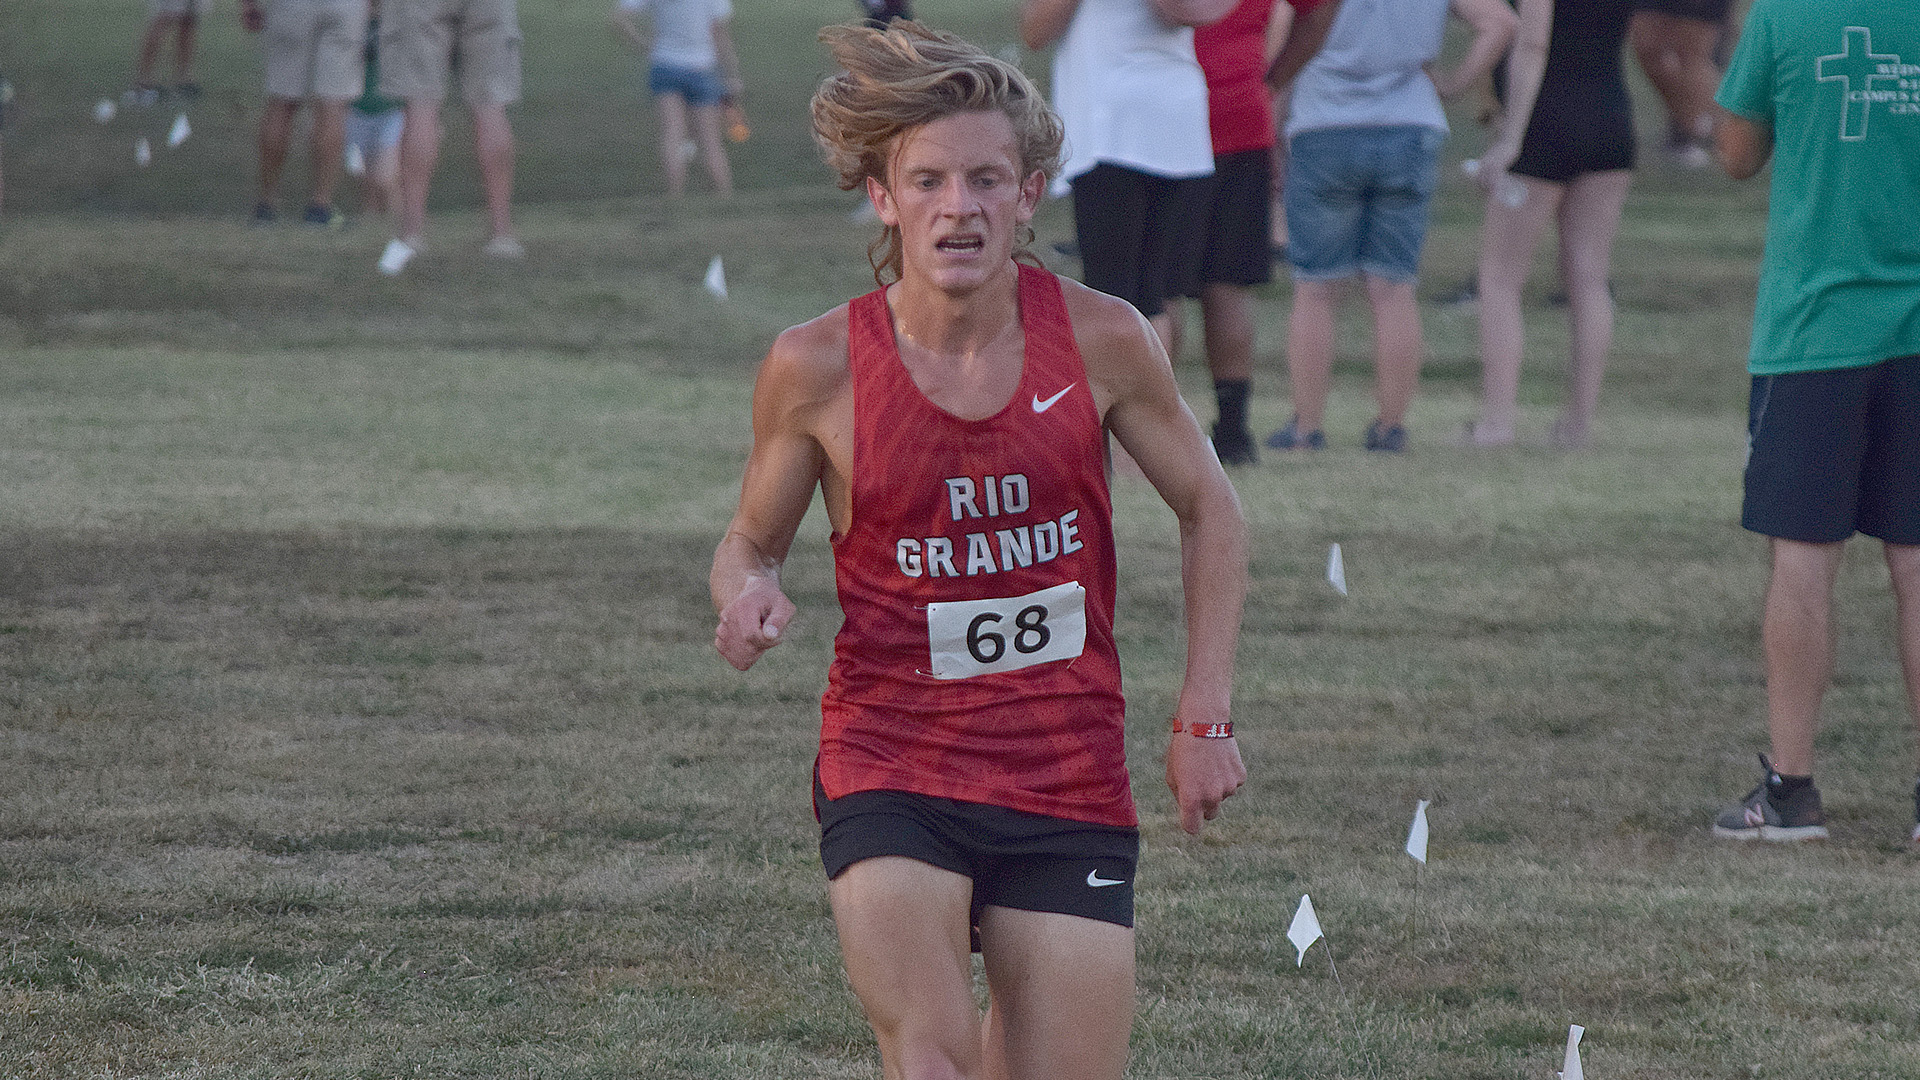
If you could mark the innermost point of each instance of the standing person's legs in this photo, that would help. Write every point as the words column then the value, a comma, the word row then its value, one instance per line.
column 1062, row 995
column 1797, row 638
column 1589, row 218
column 276, row 136
column 147, row 56
column 713, row 148
column 493, row 146
column 903, row 928
column 1507, row 242
column 183, row 43
column 1404, row 165
column 1903, row 565
column 328, row 145
column 419, row 156
column 1398, row 348
column 672, row 111
column 1310, row 330
column 1227, row 311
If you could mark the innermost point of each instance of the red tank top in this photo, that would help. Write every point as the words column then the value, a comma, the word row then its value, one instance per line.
column 976, row 660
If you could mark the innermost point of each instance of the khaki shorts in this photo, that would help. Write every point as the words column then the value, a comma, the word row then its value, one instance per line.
column 179, row 7
column 421, row 40
column 316, row 49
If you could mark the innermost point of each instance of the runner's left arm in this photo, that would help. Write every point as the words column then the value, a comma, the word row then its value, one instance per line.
column 1144, row 411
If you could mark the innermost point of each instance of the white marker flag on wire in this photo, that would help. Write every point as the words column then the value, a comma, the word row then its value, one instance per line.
column 1571, row 1069
column 1417, row 836
column 179, row 132
column 717, row 278
column 1337, row 570
column 1305, row 929
column 104, row 111
column 142, row 152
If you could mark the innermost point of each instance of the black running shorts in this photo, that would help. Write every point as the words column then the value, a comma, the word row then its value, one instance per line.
column 1831, row 453
column 1029, row 862
column 1238, row 249
column 1139, row 234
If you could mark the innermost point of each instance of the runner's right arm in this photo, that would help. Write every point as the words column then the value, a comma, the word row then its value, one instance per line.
column 798, row 385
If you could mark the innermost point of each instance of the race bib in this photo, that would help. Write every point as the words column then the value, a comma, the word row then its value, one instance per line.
column 980, row 637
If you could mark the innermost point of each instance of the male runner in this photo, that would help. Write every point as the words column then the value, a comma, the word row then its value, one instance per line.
column 971, row 782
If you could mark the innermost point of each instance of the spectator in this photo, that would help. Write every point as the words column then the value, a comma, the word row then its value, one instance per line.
column 313, row 55
column 1134, row 102
column 1833, row 443
column 418, row 42
column 182, row 17
column 1563, row 153
column 1364, row 132
column 692, row 70
column 1236, row 251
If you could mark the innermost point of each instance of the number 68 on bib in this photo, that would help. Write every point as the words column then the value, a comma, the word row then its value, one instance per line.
column 982, row 637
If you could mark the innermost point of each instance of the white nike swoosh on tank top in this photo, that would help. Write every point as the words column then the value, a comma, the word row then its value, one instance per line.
column 1041, row 404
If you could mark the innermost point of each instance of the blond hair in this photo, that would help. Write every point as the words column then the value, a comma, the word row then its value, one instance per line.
column 906, row 76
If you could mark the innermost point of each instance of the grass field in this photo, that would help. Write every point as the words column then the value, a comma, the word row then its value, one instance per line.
column 359, row 717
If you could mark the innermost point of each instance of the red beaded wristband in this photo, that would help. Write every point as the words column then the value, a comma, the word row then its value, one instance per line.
column 1204, row 731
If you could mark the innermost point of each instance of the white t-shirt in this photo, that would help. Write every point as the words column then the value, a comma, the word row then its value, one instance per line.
column 682, row 30
column 1130, row 93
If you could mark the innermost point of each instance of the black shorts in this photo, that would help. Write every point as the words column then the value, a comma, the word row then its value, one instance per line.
column 1713, row 11
column 1030, row 862
column 1832, row 453
column 1139, row 234
column 1238, row 244
column 1576, row 129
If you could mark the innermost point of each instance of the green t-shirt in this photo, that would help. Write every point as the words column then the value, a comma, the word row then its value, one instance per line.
column 1838, row 82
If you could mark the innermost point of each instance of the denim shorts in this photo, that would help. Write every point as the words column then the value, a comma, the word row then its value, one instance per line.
column 700, row 86
column 1357, row 200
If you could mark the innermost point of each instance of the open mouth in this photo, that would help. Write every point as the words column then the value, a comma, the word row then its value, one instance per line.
column 961, row 244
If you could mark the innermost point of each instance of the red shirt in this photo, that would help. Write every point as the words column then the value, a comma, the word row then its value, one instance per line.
column 976, row 660
column 1233, row 54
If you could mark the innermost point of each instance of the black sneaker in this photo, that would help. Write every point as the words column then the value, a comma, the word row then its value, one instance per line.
column 1761, row 816
column 1292, row 438
column 1386, row 440
column 187, row 91
column 264, row 213
column 1234, row 446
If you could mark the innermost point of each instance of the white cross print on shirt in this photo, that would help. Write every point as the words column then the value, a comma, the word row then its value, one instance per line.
column 1856, row 60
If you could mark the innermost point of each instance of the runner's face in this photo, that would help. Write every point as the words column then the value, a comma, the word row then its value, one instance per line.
column 956, row 194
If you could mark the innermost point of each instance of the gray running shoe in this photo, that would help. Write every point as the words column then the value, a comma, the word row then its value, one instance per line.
column 1760, row 816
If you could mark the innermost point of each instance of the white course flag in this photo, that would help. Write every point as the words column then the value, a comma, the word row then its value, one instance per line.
column 717, row 278
column 1337, row 570
column 1417, row 836
column 1305, row 929
column 104, row 111
column 1571, row 1070
column 142, row 152
column 179, row 132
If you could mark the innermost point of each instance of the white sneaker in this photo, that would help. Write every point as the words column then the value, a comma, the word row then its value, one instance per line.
column 504, row 247
column 395, row 259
